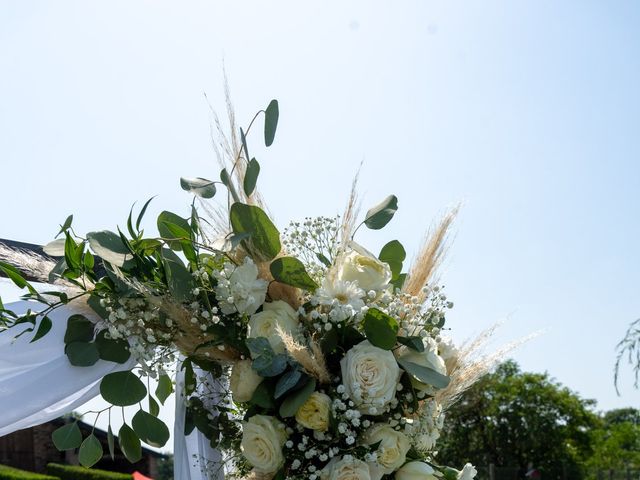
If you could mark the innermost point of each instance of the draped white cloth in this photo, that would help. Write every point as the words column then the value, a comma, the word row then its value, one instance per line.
column 38, row 384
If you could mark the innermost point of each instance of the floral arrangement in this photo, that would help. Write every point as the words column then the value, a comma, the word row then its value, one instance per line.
column 330, row 361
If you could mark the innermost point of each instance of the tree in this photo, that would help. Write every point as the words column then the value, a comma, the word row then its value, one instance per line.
column 616, row 445
column 629, row 347
column 510, row 418
column 165, row 468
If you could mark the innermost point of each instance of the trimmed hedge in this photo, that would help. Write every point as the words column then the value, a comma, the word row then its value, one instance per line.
column 9, row 473
column 69, row 472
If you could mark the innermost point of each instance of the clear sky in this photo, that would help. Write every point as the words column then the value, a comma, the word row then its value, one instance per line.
column 525, row 111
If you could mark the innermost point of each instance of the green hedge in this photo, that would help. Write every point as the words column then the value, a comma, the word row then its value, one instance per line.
column 8, row 473
column 68, row 472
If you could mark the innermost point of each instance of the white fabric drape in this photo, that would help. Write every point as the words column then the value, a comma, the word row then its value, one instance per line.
column 38, row 384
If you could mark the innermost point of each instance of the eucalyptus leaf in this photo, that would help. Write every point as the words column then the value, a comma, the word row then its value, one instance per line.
column 164, row 388
column 111, row 442
column 263, row 395
column 129, row 444
column 82, row 354
column 55, row 248
column 200, row 187
column 381, row 214
column 66, row 225
column 381, row 329
column 175, row 229
column 90, row 451
column 425, row 374
column 251, row 177
column 287, row 382
column 294, row 401
column 112, row 350
column 154, row 408
column 413, row 342
column 150, row 429
column 393, row 253
column 122, row 388
column 79, row 329
column 67, row 437
column 108, row 246
column 291, row 271
column 271, row 115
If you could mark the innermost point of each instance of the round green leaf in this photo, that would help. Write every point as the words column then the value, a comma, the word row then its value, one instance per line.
column 150, row 429
column 291, row 271
column 381, row 329
column 90, row 451
column 112, row 350
column 378, row 216
column 393, row 253
column 122, row 389
column 198, row 186
column 108, row 246
column 79, row 329
column 67, row 437
column 82, row 354
column 164, row 388
column 425, row 374
column 129, row 443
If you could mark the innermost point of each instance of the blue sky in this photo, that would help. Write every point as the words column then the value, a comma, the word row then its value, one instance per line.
column 527, row 112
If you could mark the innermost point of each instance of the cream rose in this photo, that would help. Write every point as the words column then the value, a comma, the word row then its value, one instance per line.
column 359, row 265
column 370, row 376
column 243, row 381
column 348, row 468
column 393, row 448
column 314, row 413
column 416, row 471
column 273, row 315
column 262, row 441
column 428, row 358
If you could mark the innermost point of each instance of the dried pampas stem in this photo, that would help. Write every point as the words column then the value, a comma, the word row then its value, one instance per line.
column 29, row 263
column 472, row 364
column 350, row 214
column 430, row 256
column 312, row 359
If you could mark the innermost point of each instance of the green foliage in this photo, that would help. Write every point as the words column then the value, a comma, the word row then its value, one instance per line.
column 616, row 443
column 294, row 401
column 510, row 418
column 393, row 253
column 150, row 429
column 271, row 115
column 9, row 473
column 200, row 187
column 90, row 451
column 70, row 472
column 381, row 329
column 129, row 443
column 425, row 374
column 264, row 236
column 291, row 271
column 67, row 437
column 251, row 176
column 165, row 468
column 381, row 214
column 122, row 388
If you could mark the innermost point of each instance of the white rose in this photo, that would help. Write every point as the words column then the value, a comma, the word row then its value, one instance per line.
column 348, row 468
column 273, row 315
column 428, row 358
column 468, row 472
column 315, row 412
column 359, row 265
column 416, row 471
column 370, row 376
column 393, row 448
column 243, row 381
column 245, row 290
column 262, row 441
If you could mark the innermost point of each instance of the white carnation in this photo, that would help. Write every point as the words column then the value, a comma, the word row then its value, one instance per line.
column 244, row 292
